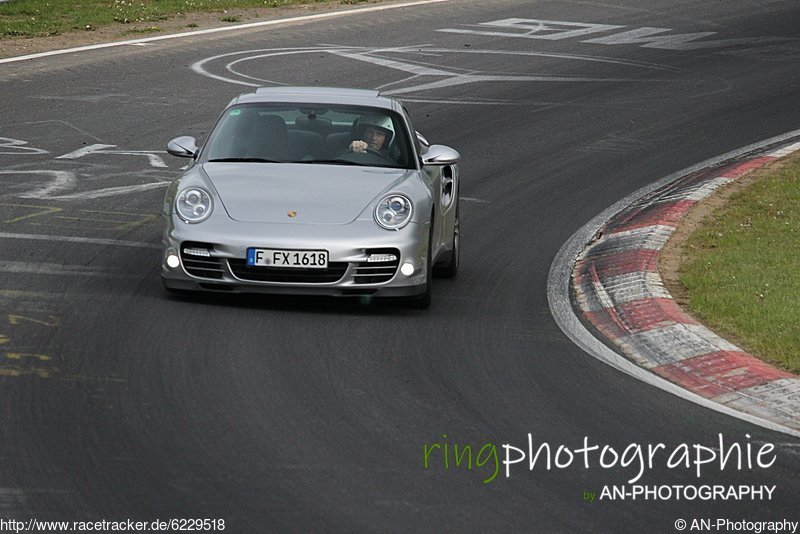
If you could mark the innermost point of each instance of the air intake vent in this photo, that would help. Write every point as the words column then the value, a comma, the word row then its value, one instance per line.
column 198, row 264
column 377, row 272
column 333, row 273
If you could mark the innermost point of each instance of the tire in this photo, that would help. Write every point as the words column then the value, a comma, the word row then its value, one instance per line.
column 450, row 269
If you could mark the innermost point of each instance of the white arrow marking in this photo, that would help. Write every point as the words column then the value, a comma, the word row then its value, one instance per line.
column 84, row 151
column 392, row 64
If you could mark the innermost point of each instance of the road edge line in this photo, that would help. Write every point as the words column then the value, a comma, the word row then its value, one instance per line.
column 249, row 25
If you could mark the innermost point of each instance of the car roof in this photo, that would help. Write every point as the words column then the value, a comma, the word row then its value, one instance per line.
column 318, row 95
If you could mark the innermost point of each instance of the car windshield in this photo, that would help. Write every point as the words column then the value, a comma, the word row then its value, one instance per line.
column 309, row 134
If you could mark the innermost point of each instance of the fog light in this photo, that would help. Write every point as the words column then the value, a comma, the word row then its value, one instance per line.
column 173, row 261
column 407, row 269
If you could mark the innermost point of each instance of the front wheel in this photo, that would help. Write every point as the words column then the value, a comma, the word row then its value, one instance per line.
column 450, row 269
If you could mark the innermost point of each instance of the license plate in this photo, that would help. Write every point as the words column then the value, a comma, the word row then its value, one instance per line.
column 303, row 259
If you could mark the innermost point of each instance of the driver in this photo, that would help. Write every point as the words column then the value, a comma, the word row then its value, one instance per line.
column 375, row 133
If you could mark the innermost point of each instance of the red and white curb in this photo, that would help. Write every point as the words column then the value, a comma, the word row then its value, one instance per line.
column 619, row 291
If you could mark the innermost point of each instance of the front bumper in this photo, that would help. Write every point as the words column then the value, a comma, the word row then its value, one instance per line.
column 222, row 267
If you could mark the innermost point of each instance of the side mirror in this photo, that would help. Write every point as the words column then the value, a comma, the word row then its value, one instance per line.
column 440, row 155
column 183, row 147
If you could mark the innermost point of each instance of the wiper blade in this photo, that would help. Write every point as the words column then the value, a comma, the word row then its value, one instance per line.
column 330, row 161
column 242, row 160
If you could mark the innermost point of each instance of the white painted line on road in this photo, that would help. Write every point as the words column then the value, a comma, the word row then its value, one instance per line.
column 419, row 70
column 262, row 24
column 110, row 191
column 82, row 240
column 199, row 67
column 18, row 146
column 152, row 155
column 75, row 154
column 61, row 181
column 785, row 151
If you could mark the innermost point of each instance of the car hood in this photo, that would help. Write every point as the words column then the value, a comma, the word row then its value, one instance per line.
column 298, row 193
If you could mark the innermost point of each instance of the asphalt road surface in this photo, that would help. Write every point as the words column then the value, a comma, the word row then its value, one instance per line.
column 285, row 414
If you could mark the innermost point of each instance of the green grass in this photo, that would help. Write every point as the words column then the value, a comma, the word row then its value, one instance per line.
column 743, row 278
column 36, row 18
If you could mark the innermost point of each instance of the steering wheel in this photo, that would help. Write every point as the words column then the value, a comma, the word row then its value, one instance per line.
column 373, row 151
column 367, row 151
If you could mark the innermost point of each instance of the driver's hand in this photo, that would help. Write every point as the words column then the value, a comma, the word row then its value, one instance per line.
column 359, row 146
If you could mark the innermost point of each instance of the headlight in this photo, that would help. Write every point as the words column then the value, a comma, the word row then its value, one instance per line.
column 193, row 205
column 393, row 211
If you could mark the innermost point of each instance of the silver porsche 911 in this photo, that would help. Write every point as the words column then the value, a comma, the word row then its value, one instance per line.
column 316, row 191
